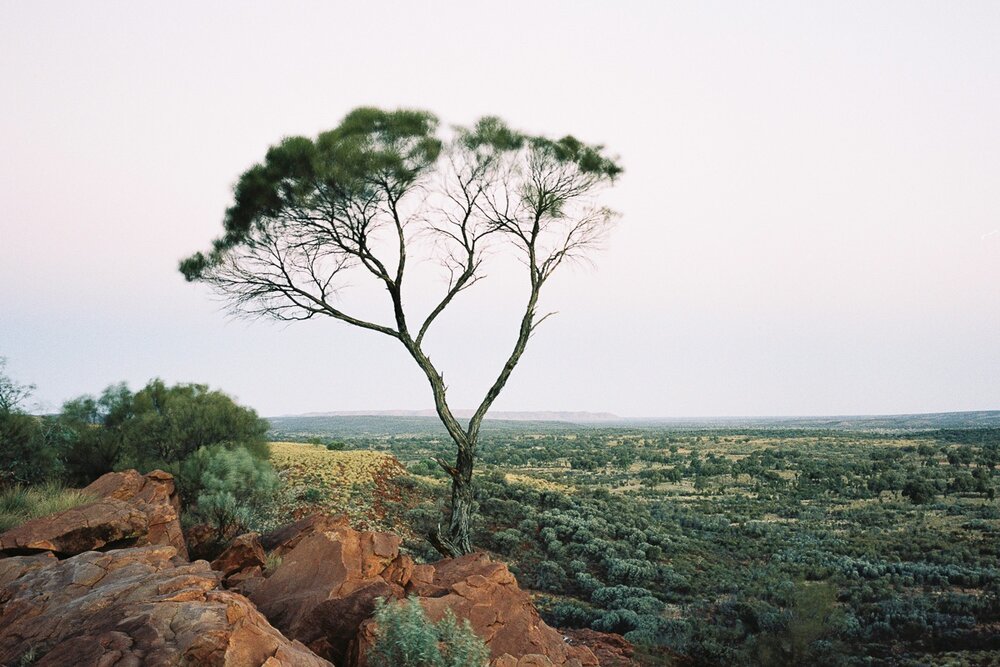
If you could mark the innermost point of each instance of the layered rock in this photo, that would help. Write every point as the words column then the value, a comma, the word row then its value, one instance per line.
column 155, row 495
column 327, row 584
column 281, row 541
column 243, row 555
column 136, row 606
column 130, row 510
column 474, row 587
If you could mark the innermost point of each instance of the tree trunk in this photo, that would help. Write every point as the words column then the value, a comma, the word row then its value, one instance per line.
column 458, row 540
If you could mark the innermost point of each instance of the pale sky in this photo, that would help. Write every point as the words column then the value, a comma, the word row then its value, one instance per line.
column 810, row 210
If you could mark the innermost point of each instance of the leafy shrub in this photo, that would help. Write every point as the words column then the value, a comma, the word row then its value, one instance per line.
column 26, row 453
column 234, row 490
column 405, row 637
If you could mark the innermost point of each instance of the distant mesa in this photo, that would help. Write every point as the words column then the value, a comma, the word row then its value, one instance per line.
column 572, row 417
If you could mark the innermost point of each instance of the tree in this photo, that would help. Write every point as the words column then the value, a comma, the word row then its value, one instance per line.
column 12, row 393
column 383, row 185
column 27, row 455
column 157, row 427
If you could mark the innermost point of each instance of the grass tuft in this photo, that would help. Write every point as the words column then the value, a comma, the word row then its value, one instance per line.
column 20, row 503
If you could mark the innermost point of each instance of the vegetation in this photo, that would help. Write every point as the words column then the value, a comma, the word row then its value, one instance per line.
column 20, row 503
column 27, row 454
column 405, row 637
column 732, row 546
column 369, row 194
column 157, row 427
column 216, row 449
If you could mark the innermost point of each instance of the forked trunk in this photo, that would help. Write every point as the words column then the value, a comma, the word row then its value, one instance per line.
column 458, row 540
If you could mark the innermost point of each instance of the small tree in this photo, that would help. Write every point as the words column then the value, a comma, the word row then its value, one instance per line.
column 361, row 197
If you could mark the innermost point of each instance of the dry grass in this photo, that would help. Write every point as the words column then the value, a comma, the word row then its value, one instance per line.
column 19, row 503
column 335, row 481
column 538, row 483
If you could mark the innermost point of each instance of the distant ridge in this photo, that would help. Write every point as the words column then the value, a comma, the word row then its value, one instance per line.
column 536, row 416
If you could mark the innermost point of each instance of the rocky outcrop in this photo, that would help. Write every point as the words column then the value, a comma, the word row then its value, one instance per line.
column 138, row 602
column 476, row 588
column 135, row 606
column 130, row 510
column 327, row 584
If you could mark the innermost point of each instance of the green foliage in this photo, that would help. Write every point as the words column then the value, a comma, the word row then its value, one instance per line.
column 405, row 637
column 812, row 616
column 373, row 156
column 725, row 576
column 234, row 490
column 271, row 563
column 312, row 495
column 919, row 491
column 27, row 454
column 157, row 427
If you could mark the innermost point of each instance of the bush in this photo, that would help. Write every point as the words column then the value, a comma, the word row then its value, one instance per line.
column 157, row 427
column 26, row 455
column 405, row 637
column 234, row 490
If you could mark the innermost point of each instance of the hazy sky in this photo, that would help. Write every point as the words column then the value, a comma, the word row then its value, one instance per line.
column 811, row 203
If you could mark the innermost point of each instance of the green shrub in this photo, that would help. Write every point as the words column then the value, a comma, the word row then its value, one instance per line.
column 405, row 637
column 234, row 491
column 26, row 455
column 312, row 495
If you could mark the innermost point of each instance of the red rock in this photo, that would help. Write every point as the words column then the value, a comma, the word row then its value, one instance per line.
column 530, row 660
column 17, row 566
column 137, row 606
column 612, row 650
column 284, row 539
column 156, row 495
column 244, row 553
column 399, row 571
column 78, row 529
column 331, row 625
column 474, row 587
column 201, row 542
column 327, row 585
column 131, row 510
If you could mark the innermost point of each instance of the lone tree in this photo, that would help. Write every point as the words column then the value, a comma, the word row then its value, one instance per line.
column 365, row 196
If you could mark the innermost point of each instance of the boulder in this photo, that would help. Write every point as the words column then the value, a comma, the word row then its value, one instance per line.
column 155, row 494
column 202, row 543
column 326, row 586
column 244, row 554
column 130, row 510
column 96, row 525
column 476, row 588
column 15, row 567
column 281, row 541
column 131, row 607
column 612, row 650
